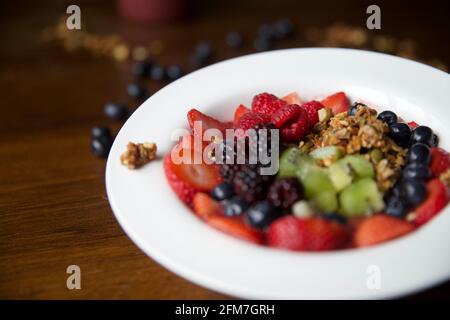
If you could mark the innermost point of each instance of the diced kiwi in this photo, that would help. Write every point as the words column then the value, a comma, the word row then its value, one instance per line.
column 326, row 202
column 290, row 161
column 327, row 153
column 314, row 180
column 357, row 166
column 340, row 176
column 360, row 198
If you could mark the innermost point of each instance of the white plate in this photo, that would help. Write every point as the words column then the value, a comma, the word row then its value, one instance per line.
column 163, row 228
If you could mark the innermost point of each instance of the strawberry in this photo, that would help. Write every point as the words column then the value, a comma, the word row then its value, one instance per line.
column 238, row 113
column 440, row 161
column 380, row 228
column 292, row 98
column 266, row 103
column 292, row 121
column 412, row 125
column 312, row 108
column 207, row 122
column 251, row 119
column 315, row 234
column 183, row 190
column 337, row 102
column 285, row 114
column 205, row 206
column 437, row 199
column 236, row 228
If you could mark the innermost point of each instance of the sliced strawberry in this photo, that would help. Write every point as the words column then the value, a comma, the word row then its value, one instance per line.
column 412, row 125
column 292, row 121
column 236, row 228
column 292, row 98
column 315, row 234
column 251, row 119
column 440, row 161
column 266, row 103
column 285, row 114
column 183, row 190
column 436, row 200
column 238, row 113
column 312, row 108
column 337, row 102
column 207, row 122
column 380, row 228
column 205, row 206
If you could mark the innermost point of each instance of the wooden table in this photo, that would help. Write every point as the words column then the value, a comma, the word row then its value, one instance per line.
column 53, row 207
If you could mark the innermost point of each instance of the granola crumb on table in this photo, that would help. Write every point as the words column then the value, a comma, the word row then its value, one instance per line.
column 138, row 154
column 362, row 133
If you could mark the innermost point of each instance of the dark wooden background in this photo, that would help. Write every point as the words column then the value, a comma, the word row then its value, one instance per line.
column 53, row 207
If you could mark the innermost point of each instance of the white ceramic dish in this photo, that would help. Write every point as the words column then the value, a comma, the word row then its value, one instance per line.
column 167, row 231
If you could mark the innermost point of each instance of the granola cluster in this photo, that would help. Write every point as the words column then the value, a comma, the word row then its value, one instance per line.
column 138, row 154
column 363, row 134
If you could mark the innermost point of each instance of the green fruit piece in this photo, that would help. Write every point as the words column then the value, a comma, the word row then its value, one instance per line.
column 302, row 209
column 360, row 198
column 326, row 202
column 357, row 166
column 314, row 180
column 330, row 152
column 340, row 176
column 290, row 161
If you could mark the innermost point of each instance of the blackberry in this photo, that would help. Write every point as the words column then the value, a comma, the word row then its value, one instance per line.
column 250, row 185
column 230, row 151
column 285, row 192
column 260, row 144
column 228, row 171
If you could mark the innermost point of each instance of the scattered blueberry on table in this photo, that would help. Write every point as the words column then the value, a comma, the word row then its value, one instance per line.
column 116, row 111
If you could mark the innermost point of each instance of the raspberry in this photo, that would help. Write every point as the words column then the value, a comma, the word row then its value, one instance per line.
column 311, row 109
column 250, row 185
column 284, row 114
column 285, row 192
column 251, row 119
column 267, row 103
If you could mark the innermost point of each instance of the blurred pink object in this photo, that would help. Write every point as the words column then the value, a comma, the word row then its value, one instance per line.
column 152, row 10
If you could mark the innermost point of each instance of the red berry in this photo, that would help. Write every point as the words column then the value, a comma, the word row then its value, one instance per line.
column 266, row 103
column 285, row 114
column 252, row 119
column 440, row 161
column 437, row 199
column 412, row 125
column 237, row 228
column 207, row 122
column 337, row 102
column 238, row 113
column 182, row 189
column 292, row 121
column 205, row 206
column 312, row 108
column 313, row 234
column 380, row 228
column 292, row 98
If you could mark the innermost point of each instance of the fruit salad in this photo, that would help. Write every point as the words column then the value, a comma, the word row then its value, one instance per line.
column 347, row 176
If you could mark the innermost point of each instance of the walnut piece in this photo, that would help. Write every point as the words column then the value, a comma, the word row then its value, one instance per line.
column 138, row 154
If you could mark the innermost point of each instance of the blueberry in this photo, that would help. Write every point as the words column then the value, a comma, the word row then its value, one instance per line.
column 419, row 153
column 400, row 133
column 388, row 116
column 335, row 217
column 434, row 140
column 157, row 72
column 414, row 191
column 416, row 171
column 352, row 109
column 99, row 132
column 262, row 44
column 101, row 146
column 204, row 50
column 141, row 68
column 422, row 134
column 396, row 207
column 136, row 91
column 234, row 39
column 222, row 191
column 174, row 72
column 234, row 206
column 266, row 31
column 283, row 28
column 261, row 214
column 116, row 111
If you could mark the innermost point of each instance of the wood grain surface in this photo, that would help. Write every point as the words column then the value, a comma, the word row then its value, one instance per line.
column 53, row 207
